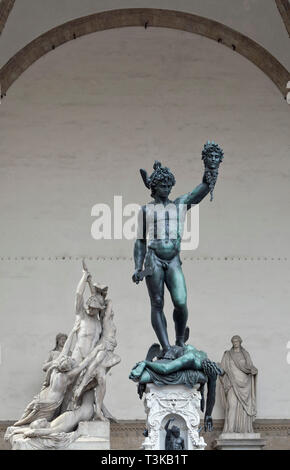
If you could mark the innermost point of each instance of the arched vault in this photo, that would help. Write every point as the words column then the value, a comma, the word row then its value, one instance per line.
column 148, row 18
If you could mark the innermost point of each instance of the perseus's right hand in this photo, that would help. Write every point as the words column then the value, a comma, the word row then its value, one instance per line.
column 136, row 276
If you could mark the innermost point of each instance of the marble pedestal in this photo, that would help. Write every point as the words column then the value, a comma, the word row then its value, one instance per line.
column 93, row 435
column 90, row 435
column 239, row 441
column 172, row 401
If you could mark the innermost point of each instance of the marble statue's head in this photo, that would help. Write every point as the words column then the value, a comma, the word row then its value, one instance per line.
column 236, row 340
column 101, row 289
column 40, row 423
column 212, row 155
column 160, row 182
column 60, row 341
column 175, row 431
column 95, row 304
column 65, row 364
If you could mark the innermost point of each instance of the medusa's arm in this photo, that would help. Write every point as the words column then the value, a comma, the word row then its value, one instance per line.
column 210, row 401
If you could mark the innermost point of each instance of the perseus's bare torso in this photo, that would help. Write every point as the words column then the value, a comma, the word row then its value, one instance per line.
column 164, row 227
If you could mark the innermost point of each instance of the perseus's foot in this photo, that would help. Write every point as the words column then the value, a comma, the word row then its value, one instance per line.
column 169, row 353
column 180, row 341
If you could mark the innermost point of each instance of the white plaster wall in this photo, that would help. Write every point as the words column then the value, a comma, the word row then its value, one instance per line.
column 75, row 130
column 258, row 19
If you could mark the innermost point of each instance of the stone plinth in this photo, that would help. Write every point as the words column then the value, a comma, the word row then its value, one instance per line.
column 172, row 401
column 90, row 435
column 240, row 441
column 93, row 435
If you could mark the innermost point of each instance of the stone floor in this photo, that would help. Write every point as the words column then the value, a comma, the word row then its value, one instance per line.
column 128, row 434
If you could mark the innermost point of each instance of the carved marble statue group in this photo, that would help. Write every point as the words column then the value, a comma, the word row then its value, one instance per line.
column 75, row 381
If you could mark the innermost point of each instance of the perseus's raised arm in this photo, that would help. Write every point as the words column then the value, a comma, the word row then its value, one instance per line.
column 79, row 301
column 196, row 195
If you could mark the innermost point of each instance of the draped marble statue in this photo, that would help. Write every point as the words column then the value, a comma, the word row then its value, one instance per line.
column 75, row 383
column 54, row 353
column 238, row 388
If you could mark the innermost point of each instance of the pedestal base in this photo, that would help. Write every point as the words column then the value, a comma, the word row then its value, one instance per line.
column 93, row 435
column 239, row 441
column 172, row 401
column 90, row 435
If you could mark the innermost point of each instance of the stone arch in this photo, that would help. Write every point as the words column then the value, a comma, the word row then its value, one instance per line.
column 144, row 17
column 5, row 9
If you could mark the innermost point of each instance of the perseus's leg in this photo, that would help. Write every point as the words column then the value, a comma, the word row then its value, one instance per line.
column 175, row 283
column 155, row 286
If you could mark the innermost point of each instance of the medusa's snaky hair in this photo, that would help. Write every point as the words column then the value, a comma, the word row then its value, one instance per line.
column 160, row 173
column 210, row 147
column 211, row 174
column 210, row 368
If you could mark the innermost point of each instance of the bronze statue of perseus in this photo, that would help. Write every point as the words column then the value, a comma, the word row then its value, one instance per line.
column 160, row 227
